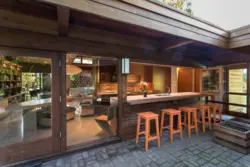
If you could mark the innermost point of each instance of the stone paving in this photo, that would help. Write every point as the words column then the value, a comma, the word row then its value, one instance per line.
column 199, row 150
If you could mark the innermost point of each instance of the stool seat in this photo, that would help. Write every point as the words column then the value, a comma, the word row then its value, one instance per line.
column 171, row 111
column 187, row 109
column 202, row 107
column 148, row 116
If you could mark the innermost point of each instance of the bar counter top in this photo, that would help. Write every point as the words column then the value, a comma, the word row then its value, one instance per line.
column 139, row 99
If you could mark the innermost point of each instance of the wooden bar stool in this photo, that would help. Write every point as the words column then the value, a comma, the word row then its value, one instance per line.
column 215, row 108
column 204, row 110
column 148, row 116
column 171, row 113
column 192, row 123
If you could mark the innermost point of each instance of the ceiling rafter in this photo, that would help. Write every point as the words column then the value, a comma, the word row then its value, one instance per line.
column 63, row 14
column 179, row 44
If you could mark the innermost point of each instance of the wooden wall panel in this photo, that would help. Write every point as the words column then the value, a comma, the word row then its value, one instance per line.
column 148, row 74
column 185, row 80
column 197, row 80
column 161, row 79
column 167, row 78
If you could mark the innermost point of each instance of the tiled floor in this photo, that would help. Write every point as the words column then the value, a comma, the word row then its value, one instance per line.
column 199, row 150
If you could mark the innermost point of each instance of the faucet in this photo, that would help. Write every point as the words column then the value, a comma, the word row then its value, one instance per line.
column 169, row 90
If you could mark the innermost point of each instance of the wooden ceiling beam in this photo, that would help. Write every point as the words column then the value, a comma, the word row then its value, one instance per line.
column 147, row 21
column 22, row 21
column 13, row 19
column 45, row 42
column 179, row 45
column 63, row 14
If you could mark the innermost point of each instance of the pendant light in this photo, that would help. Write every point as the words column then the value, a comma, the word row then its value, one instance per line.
column 73, row 70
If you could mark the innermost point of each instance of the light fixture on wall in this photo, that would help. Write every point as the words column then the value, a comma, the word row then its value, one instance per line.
column 125, row 66
column 73, row 70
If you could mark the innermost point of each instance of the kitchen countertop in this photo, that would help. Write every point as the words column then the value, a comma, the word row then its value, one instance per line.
column 29, row 104
column 139, row 99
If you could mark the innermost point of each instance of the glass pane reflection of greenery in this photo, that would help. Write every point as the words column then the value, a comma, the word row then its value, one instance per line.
column 210, row 81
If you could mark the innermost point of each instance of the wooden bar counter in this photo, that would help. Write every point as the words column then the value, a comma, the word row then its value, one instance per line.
column 154, row 103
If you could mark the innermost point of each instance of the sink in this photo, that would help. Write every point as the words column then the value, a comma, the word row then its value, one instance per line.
column 163, row 94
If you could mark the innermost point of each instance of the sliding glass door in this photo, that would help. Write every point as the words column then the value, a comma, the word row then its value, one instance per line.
column 29, row 104
column 237, row 85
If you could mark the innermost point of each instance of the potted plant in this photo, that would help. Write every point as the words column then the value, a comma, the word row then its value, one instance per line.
column 144, row 89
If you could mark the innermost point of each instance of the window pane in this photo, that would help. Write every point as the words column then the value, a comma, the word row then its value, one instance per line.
column 238, row 109
column 210, row 81
column 238, row 80
column 237, row 99
column 25, row 99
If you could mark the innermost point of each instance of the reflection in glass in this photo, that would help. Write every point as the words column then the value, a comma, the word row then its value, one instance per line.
column 237, row 80
column 237, row 83
column 210, row 81
column 90, row 115
column 25, row 103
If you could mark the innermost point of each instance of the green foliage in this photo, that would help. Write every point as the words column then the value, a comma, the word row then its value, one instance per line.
column 184, row 5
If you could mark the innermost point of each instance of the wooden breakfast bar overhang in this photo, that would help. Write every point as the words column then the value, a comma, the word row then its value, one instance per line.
column 152, row 98
column 163, row 45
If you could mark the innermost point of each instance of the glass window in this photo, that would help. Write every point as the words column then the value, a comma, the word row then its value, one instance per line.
column 237, row 80
column 25, row 104
column 210, row 81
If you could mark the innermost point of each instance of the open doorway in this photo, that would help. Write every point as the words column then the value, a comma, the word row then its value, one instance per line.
column 91, row 82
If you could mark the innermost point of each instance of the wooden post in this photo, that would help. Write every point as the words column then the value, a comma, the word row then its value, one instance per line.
column 248, row 89
column 63, row 125
column 122, row 95
column 95, row 78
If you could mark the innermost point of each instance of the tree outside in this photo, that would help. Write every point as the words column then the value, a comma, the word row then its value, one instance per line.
column 184, row 5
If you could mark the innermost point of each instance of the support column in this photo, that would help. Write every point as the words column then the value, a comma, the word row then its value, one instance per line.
column 63, row 94
column 122, row 95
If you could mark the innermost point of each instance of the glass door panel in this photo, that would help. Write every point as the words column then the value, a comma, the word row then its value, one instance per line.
column 90, row 116
column 26, row 110
column 237, row 80
column 237, row 90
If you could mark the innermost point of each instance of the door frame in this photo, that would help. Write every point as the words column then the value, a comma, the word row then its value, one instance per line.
column 29, row 150
column 237, row 114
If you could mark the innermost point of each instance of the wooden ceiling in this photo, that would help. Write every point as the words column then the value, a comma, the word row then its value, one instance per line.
column 87, row 33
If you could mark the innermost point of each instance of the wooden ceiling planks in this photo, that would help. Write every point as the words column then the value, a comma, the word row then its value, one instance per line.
column 121, row 15
column 97, row 35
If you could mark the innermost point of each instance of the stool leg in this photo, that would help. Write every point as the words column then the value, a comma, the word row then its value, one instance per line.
column 185, row 119
column 147, row 135
column 138, row 129
column 162, row 122
column 203, row 120
column 189, row 129
column 157, row 132
column 209, row 119
column 179, row 125
column 195, row 121
column 171, row 128
column 214, row 109
column 220, row 113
